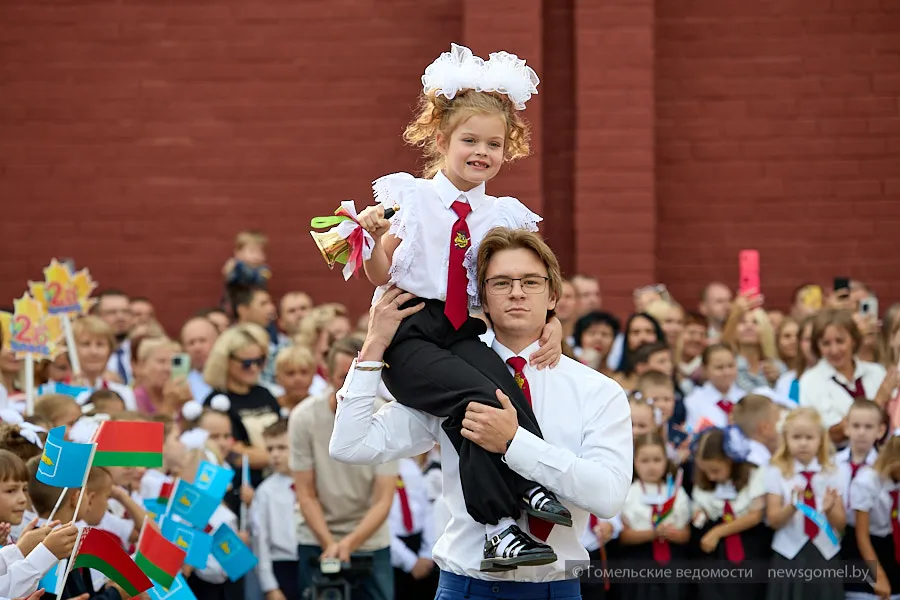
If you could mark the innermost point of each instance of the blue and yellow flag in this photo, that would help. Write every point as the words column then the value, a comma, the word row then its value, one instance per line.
column 64, row 464
column 233, row 555
column 191, row 504
column 196, row 543
column 213, row 479
column 179, row 590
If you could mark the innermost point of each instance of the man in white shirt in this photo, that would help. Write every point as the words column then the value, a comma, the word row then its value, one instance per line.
column 114, row 307
column 198, row 336
column 585, row 456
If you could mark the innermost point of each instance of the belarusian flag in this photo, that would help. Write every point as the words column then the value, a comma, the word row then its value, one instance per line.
column 129, row 444
column 157, row 557
column 98, row 550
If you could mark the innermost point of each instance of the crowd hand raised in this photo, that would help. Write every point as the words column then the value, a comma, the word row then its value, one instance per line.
column 61, row 541
column 4, row 533
column 372, row 220
column 176, row 392
column 33, row 535
column 770, row 370
column 246, row 494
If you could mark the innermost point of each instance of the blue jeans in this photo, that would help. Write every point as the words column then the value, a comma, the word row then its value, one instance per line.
column 377, row 585
column 457, row 587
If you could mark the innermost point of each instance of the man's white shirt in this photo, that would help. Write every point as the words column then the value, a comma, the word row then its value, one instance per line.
column 585, row 456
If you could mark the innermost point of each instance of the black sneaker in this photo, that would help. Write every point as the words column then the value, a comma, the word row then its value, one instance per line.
column 520, row 551
column 543, row 504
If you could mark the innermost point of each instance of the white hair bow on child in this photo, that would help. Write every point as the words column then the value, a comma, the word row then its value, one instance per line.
column 459, row 70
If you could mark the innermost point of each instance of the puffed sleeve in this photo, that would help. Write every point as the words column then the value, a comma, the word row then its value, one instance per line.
column 864, row 490
column 399, row 189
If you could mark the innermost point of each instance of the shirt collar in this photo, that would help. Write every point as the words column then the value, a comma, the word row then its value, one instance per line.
column 844, row 456
column 505, row 353
column 449, row 193
column 812, row 467
column 858, row 372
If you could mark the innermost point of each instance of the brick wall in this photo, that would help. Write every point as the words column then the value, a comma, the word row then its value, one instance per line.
column 139, row 137
column 778, row 128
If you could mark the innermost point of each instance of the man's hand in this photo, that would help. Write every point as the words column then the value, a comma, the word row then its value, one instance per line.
column 491, row 427
column 422, row 568
column 550, row 346
column 384, row 319
column 338, row 550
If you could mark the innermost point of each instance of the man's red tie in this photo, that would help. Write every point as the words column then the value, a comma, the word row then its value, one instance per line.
column 404, row 505
column 540, row 528
column 895, row 523
column 734, row 547
column 809, row 499
column 662, row 552
column 456, row 307
column 726, row 405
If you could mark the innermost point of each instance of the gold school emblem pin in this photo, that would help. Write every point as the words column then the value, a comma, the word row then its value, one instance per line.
column 520, row 380
column 461, row 241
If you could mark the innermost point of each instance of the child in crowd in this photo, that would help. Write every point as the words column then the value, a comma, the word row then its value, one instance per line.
column 125, row 514
column 104, row 402
column 58, row 410
column 295, row 367
column 174, row 451
column 93, row 507
column 411, row 521
column 643, row 419
column 247, row 267
column 274, row 513
column 601, row 540
column 802, row 472
column 655, row 519
column 757, row 418
column 864, row 427
column 875, row 498
column 657, row 389
column 715, row 399
column 729, row 500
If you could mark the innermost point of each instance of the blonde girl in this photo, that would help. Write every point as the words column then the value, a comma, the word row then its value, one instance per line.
column 802, row 472
column 468, row 124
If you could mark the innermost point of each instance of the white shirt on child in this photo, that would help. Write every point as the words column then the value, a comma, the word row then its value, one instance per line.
column 750, row 497
column 790, row 539
column 424, row 225
column 871, row 493
column 759, row 455
column 842, row 460
column 703, row 402
column 420, row 509
column 20, row 575
column 819, row 389
column 273, row 538
column 638, row 511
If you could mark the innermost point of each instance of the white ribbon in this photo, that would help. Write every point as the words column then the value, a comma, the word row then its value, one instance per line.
column 194, row 439
column 346, row 228
column 30, row 432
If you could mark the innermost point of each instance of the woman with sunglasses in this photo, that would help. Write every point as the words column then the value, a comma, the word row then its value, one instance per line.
column 232, row 370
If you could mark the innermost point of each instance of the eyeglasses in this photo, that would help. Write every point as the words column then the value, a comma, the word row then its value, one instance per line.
column 531, row 284
column 249, row 363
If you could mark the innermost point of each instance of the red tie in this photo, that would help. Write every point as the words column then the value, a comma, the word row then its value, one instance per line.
column 593, row 521
column 854, row 469
column 734, row 547
column 404, row 505
column 726, row 405
column 809, row 499
column 895, row 523
column 540, row 528
column 857, row 392
column 662, row 553
column 456, row 306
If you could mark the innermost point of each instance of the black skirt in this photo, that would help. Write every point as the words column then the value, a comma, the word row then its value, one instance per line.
column 756, row 542
column 651, row 590
column 797, row 588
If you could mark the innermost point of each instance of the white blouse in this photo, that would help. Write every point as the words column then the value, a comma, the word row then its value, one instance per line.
column 845, row 471
column 750, row 497
column 703, row 402
column 424, row 225
column 872, row 494
column 638, row 510
column 819, row 390
column 790, row 539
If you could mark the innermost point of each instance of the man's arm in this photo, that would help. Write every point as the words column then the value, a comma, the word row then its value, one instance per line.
column 395, row 431
column 311, row 508
column 598, row 479
column 383, row 488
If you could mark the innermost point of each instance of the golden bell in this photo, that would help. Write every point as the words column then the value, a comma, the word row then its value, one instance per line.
column 331, row 245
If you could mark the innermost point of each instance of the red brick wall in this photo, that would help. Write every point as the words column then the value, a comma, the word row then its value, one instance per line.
column 138, row 138
column 778, row 128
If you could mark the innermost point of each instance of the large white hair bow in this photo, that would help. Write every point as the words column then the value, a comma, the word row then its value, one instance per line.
column 459, row 70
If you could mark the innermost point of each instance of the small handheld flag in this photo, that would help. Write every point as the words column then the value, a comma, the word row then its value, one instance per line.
column 158, row 558
column 103, row 552
column 194, row 542
column 191, row 504
column 155, row 509
column 129, row 444
column 179, row 590
column 233, row 555
column 64, row 464
column 213, row 479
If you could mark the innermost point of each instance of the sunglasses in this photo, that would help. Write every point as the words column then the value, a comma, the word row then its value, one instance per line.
column 249, row 363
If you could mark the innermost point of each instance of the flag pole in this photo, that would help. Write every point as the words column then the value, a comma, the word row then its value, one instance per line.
column 245, row 480
column 84, row 483
column 29, row 384
column 58, row 502
column 61, row 581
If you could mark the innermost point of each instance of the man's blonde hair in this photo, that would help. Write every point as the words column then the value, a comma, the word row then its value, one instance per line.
column 505, row 238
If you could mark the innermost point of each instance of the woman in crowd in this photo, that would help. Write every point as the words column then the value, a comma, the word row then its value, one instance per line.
column 155, row 390
column 786, row 386
column 750, row 335
column 641, row 328
column 94, row 343
column 594, row 334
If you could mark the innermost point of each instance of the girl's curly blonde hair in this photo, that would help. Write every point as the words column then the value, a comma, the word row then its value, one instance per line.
column 436, row 114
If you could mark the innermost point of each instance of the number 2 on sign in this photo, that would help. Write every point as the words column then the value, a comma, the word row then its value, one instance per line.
column 59, row 296
column 26, row 332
